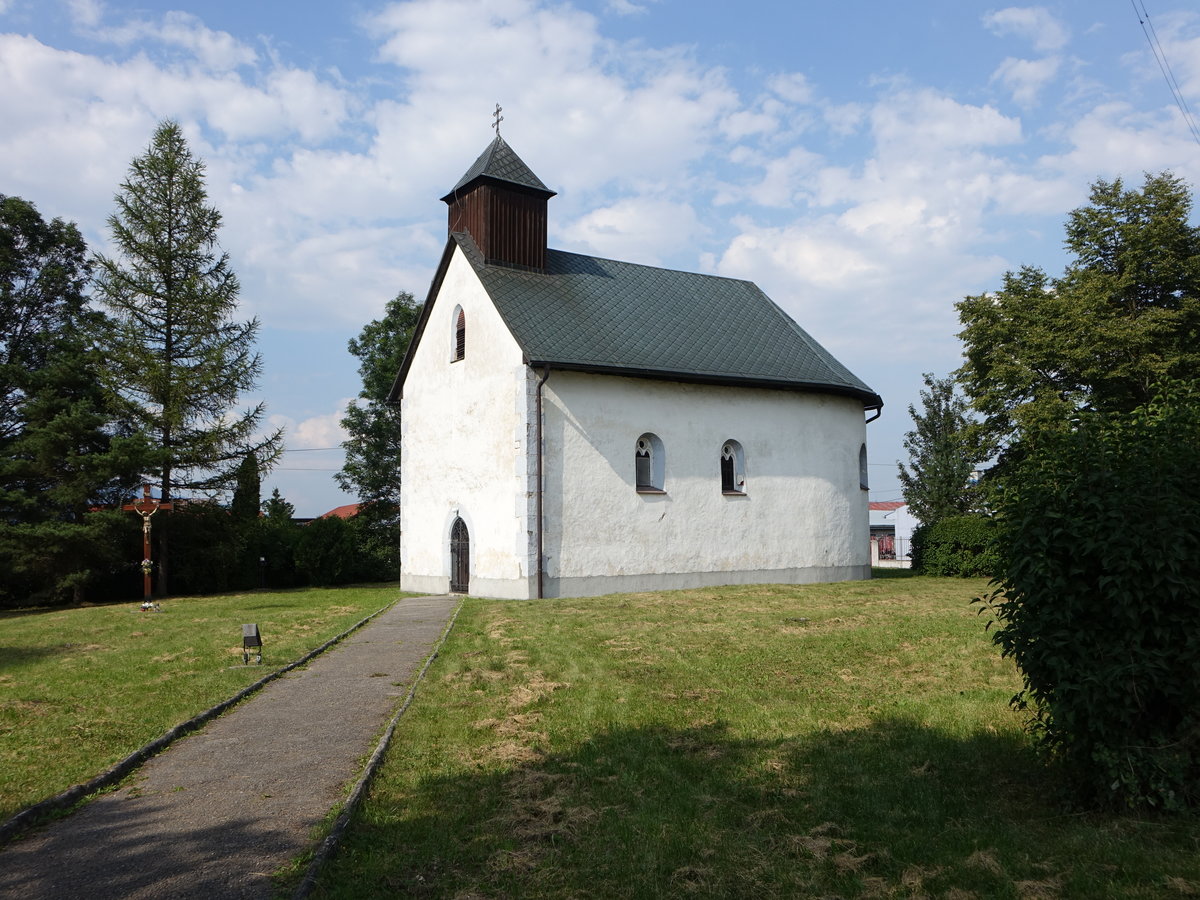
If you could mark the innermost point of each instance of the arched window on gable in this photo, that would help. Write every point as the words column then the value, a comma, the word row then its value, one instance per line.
column 458, row 340
column 649, row 464
column 733, row 468
column 862, row 468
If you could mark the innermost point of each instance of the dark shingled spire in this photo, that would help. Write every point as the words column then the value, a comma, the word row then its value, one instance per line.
column 500, row 163
column 502, row 205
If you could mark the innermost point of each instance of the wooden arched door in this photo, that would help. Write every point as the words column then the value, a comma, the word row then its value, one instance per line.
column 460, row 558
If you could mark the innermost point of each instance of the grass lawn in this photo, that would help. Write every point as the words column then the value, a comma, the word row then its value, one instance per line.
column 82, row 688
column 848, row 740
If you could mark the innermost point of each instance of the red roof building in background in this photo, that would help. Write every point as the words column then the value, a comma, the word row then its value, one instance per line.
column 349, row 511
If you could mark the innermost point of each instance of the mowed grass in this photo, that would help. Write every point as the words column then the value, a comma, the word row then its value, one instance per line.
column 82, row 688
column 849, row 740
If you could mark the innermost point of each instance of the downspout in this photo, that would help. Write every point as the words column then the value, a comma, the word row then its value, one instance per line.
column 878, row 412
column 540, row 566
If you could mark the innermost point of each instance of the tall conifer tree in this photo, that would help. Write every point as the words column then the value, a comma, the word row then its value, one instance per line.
column 175, row 349
column 65, row 452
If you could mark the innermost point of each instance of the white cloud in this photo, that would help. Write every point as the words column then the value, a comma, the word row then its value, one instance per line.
column 746, row 123
column 642, row 230
column 1034, row 23
column 625, row 7
column 84, row 13
column 1114, row 139
column 320, row 431
column 217, row 51
column 786, row 179
column 813, row 257
column 1026, row 77
column 921, row 119
column 845, row 118
column 1181, row 52
column 618, row 113
column 323, row 430
column 893, row 240
column 792, row 87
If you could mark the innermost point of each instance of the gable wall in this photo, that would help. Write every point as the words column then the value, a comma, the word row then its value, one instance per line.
column 804, row 516
column 465, row 430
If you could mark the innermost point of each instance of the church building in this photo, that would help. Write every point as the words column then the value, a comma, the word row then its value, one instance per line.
column 574, row 426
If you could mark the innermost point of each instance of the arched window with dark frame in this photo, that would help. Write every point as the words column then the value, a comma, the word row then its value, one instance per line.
column 458, row 347
column 649, row 464
column 863, row 481
column 733, row 468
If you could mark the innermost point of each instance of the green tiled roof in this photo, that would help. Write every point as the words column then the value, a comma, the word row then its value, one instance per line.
column 597, row 314
column 500, row 162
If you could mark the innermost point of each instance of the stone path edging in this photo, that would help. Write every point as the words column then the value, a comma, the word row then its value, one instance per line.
column 331, row 841
column 32, row 815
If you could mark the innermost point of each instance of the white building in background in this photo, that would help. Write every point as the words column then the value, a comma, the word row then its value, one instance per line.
column 892, row 526
column 576, row 426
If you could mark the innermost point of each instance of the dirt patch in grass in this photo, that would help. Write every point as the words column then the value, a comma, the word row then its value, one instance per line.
column 985, row 861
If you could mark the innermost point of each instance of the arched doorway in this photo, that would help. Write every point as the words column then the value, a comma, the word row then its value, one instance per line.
column 460, row 557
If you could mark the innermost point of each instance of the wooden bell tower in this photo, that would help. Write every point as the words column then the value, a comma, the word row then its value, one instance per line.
column 502, row 205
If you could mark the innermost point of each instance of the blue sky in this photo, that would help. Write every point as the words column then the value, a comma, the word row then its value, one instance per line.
column 866, row 163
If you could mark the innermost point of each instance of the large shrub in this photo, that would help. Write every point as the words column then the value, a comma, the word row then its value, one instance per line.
column 965, row 546
column 1099, row 600
column 326, row 552
column 207, row 549
column 376, row 531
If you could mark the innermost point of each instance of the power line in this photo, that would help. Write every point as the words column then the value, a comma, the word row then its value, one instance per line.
column 309, row 449
column 1160, row 57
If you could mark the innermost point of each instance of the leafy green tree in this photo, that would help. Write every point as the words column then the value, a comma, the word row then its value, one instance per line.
column 1124, row 315
column 943, row 452
column 372, row 466
column 175, row 351
column 1098, row 599
column 64, row 452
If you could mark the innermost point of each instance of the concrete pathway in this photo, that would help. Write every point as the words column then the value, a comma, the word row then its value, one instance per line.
column 216, row 813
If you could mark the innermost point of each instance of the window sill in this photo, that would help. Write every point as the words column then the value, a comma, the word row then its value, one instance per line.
column 733, row 493
column 650, row 490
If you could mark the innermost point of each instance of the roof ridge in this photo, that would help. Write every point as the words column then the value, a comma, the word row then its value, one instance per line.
column 626, row 262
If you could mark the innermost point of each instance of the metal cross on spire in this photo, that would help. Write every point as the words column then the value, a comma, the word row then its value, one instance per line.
column 499, row 118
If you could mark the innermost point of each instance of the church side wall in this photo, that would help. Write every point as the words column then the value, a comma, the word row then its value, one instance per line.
column 803, row 516
column 466, row 429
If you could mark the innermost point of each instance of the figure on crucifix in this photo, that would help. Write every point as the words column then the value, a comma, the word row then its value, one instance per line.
column 146, row 506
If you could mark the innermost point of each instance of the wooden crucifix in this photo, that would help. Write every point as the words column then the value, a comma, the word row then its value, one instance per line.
column 146, row 506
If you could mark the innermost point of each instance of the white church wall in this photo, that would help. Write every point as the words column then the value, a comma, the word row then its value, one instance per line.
column 803, row 516
column 466, row 425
